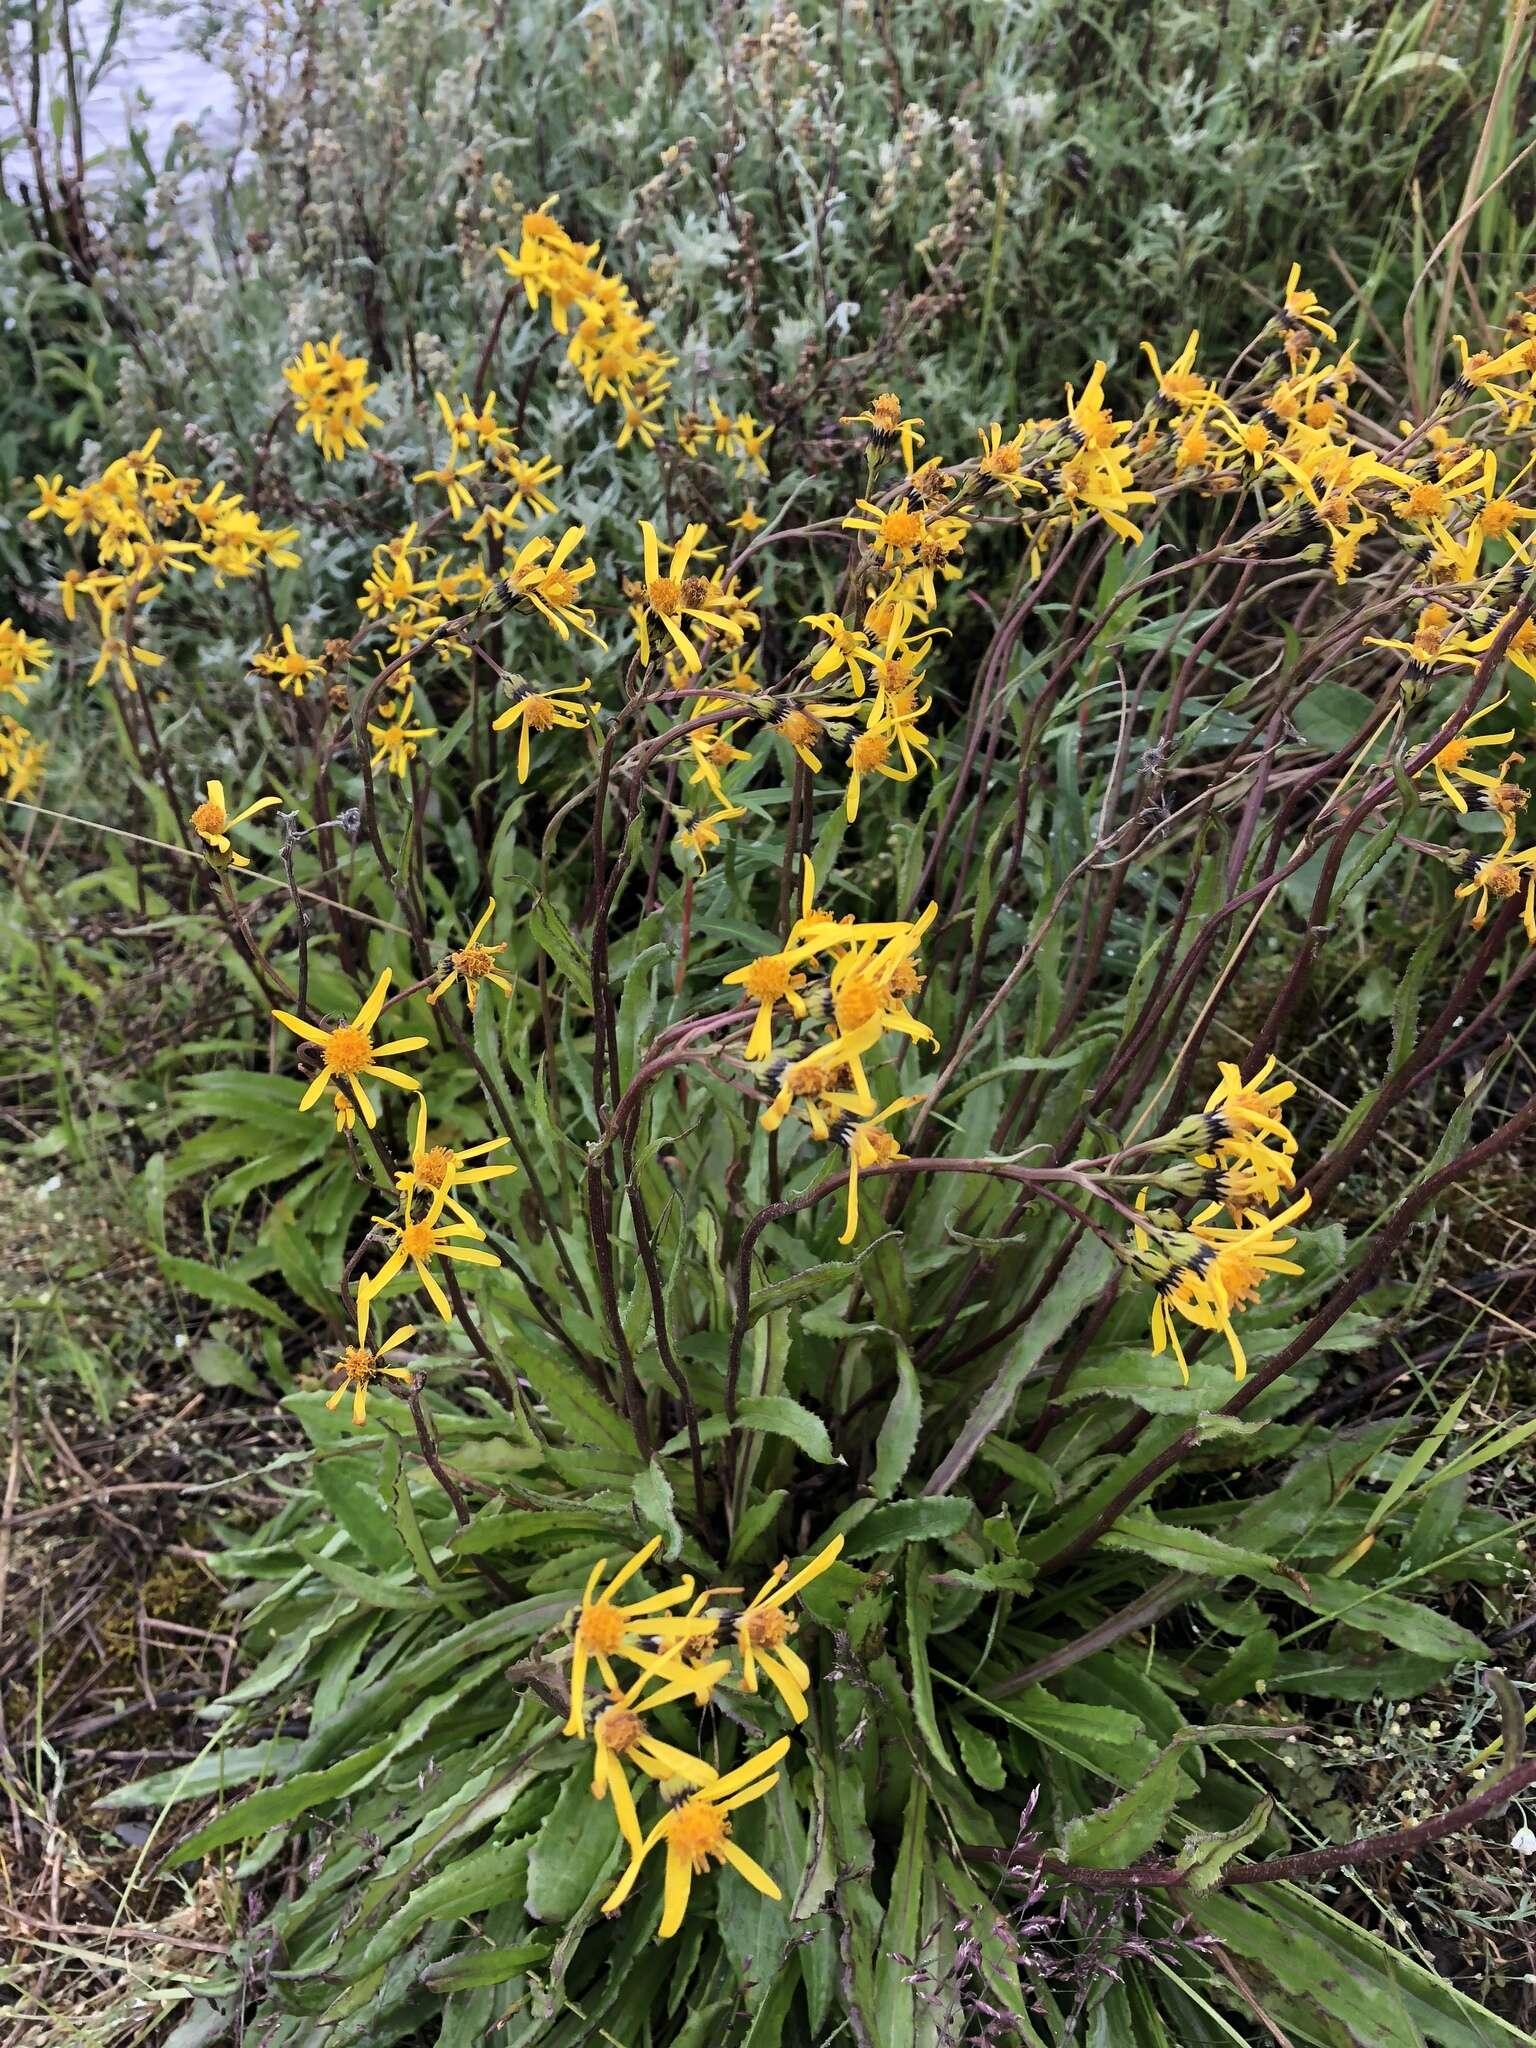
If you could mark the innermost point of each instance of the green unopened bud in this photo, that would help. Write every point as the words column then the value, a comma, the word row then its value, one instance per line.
column 1165, row 1225
column 1189, row 1177
column 1412, row 688
column 1176, row 1256
column 1145, row 1263
column 1197, row 1133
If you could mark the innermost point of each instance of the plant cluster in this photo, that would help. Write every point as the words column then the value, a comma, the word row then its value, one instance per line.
column 900, row 1002
column 611, row 1386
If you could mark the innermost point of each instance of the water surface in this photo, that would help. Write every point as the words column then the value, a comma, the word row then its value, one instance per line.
column 152, row 81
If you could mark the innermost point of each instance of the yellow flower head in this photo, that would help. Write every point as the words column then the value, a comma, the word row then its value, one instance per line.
column 534, row 709
column 438, row 1170
column 421, row 1239
column 330, row 391
column 888, row 430
column 359, row 1365
column 671, row 598
column 865, row 1141
column 896, row 532
column 620, row 1736
column 1302, row 313
column 605, row 1630
column 1211, row 1271
column 289, row 669
column 546, row 579
column 1448, row 763
column 348, row 1054
column 474, row 963
column 1180, row 385
column 212, row 823
column 763, row 1631
column 1499, row 878
column 698, row 1832
column 395, row 739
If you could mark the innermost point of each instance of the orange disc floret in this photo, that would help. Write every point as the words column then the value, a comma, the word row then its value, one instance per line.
column 858, row 1000
column 538, row 713
column 696, row 1831
column 767, row 1627
column 767, row 980
column 618, row 1729
column 473, row 962
column 435, row 1168
column 418, row 1240
column 348, row 1050
column 601, row 1630
column 869, row 750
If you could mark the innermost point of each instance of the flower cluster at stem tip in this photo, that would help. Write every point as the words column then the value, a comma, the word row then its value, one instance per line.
column 683, row 1648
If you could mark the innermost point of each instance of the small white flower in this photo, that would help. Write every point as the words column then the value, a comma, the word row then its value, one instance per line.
column 1523, row 1842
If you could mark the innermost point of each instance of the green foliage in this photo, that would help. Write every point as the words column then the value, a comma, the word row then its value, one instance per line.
column 1014, row 1672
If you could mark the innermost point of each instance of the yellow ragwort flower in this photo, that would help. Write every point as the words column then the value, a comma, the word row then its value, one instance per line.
column 359, row 1365
column 419, row 1240
column 474, row 963
column 605, row 1631
column 763, row 1631
column 439, row 1169
column 672, row 599
column 212, row 823
column 865, row 1141
column 619, row 1733
column 698, row 1832
column 348, row 1053
column 539, row 710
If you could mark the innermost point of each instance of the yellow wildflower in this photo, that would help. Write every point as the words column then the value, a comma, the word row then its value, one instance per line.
column 395, row 741
column 698, row 1832
column 1179, row 385
column 763, row 1630
column 619, row 1732
column 1447, row 762
column 551, row 588
column 1301, row 309
column 866, row 1143
column 670, row 599
column 1002, row 462
column 419, row 1240
column 896, row 531
column 888, row 430
column 348, row 1053
column 538, row 710
column 359, row 1365
column 289, row 669
column 474, row 963
column 22, row 658
column 1222, row 1272
column 1499, row 876
column 605, row 1631
column 701, row 837
column 330, row 390
column 212, row 823
column 439, row 1169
